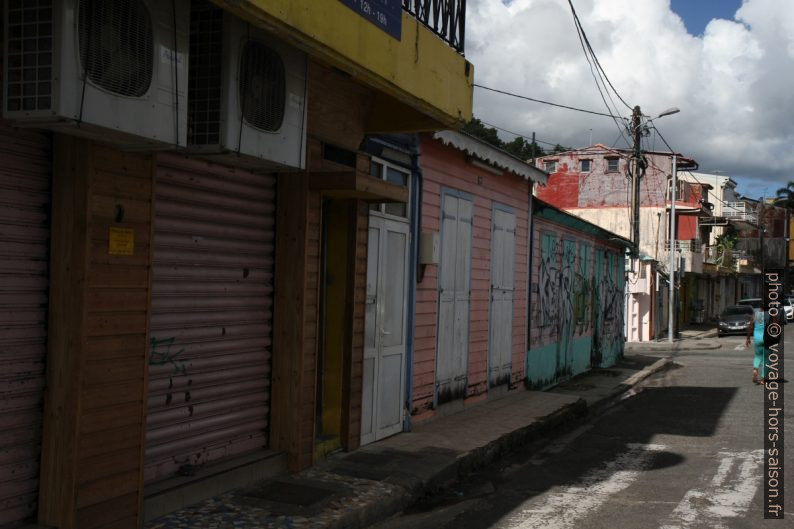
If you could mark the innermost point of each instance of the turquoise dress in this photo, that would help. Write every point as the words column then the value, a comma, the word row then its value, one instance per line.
column 759, row 319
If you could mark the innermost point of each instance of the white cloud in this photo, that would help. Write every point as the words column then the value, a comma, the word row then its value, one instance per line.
column 733, row 84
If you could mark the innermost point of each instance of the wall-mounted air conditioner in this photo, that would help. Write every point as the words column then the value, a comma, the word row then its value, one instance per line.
column 113, row 70
column 247, row 95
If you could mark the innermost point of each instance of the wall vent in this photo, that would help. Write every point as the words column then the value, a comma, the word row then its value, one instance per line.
column 204, row 74
column 29, row 27
column 116, row 45
column 262, row 87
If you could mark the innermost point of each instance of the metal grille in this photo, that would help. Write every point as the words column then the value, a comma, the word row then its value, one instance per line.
column 29, row 53
column 116, row 45
column 25, row 156
column 211, row 320
column 204, row 74
column 447, row 18
column 262, row 86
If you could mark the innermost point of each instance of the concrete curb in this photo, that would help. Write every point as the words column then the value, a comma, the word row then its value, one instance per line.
column 683, row 345
column 416, row 489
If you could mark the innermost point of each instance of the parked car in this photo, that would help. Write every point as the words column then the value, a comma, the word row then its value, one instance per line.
column 735, row 319
column 755, row 303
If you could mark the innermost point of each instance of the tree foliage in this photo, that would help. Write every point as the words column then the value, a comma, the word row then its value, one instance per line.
column 518, row 147
column 785, row 196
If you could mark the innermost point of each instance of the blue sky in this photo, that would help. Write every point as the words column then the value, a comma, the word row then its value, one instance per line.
column 698, row 13
column 732, row 84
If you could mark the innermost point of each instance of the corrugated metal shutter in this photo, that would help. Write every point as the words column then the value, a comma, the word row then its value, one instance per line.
column 25, row 169
column 212, row 306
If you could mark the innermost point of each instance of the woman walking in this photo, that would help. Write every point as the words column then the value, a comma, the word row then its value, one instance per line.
column 755, row 331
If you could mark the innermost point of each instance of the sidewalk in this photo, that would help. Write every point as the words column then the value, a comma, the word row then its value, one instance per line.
column 357, row 489
column 693, row 337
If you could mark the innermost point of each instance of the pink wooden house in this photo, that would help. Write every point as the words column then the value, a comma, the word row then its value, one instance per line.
column 471, row 292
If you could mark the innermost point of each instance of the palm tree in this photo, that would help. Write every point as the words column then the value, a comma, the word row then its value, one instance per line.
column 785, row 196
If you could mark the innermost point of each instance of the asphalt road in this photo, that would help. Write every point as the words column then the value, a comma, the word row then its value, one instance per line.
column 686, row 451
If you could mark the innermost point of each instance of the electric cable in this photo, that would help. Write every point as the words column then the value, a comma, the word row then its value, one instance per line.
column 504, row 92
column 517, row 134
column 596, row 76
column 595, row 58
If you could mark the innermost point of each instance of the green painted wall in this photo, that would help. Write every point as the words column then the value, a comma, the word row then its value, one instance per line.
column 577, row 312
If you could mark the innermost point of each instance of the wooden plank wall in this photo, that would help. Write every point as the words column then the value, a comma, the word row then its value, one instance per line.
column 337, row 110
column 352, row 412
column 442, row 167
column 338, row 107
column 295, row 321
column 92, row 460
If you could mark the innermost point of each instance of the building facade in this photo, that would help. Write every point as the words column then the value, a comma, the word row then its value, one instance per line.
column 471, row 294
column 170, row 276
column 576, row 296
column 593, row 183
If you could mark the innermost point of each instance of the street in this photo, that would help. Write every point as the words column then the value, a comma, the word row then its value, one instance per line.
column 685, row 451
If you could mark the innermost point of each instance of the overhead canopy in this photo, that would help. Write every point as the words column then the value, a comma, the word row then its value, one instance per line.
column 487, row 153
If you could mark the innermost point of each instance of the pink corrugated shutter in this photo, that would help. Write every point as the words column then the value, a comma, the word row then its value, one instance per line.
column 25, row 168
column 212, row 310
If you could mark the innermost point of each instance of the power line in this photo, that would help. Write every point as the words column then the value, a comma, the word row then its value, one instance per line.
column 544, row 102
column 596, row 72
column 595, row 58
column 697, row 180
column 517, row 134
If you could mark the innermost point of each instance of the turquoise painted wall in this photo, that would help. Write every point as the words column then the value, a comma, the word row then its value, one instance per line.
column 577, row 307
column 542, row 366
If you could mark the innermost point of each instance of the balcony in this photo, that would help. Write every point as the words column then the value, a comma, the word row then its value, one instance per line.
column 739, row 213
column 723, row 258
column 689, row 255
column 689, row 245
column 447, row 18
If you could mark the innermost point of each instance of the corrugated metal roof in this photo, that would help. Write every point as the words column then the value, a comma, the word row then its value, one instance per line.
column 492, row 155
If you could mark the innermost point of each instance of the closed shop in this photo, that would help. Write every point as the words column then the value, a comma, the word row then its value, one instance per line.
column 212, row 310
column 25, row 169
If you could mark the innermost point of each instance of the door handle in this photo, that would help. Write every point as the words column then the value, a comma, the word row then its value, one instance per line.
column 385, row 333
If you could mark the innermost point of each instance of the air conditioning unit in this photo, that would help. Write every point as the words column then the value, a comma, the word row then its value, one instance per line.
column 247, row 95
column 113, row 70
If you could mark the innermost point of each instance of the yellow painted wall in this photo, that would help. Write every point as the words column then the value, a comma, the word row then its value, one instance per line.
column 337, row 242
column 418, row 73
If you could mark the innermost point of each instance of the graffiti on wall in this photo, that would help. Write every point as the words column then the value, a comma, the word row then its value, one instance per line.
column 572, row 301
column 160, row 353
column 608, row 301
column 564, row 295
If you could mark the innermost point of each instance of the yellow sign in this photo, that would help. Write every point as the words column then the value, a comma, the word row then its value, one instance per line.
column 121, row 241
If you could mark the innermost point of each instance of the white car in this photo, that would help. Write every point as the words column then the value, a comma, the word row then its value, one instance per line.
column 788, row 307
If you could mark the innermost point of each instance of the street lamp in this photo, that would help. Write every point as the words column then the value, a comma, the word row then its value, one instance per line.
column 669, row 111
column 671, row 301
column 671, row 292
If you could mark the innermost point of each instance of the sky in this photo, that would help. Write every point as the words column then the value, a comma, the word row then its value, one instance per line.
column 728, row 65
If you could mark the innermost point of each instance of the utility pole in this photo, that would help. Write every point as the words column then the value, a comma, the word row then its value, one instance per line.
column 672, row 313
column 636, row 168
column 533, row 149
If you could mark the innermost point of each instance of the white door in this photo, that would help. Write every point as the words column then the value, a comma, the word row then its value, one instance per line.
column 454, row 293
column 503, row 255
column 385, row 329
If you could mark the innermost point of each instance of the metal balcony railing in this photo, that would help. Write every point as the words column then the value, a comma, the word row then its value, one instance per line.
column 447, row 18
column 721, row 257
column 690, row 245
column 739, row 211
column 715, row 255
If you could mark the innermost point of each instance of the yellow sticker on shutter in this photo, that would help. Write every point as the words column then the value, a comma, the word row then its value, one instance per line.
column 121, row 241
